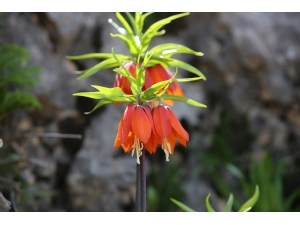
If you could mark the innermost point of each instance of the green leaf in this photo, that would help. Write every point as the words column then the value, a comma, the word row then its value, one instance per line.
column 182, row 206
column 185, row 66
column 169, row 49
column 235, row 171
column 182, row 99
column 132, row 21
column 131, row 47
column 155, row 88
column 143, row 18
column 291, row 199
column 110, row 92
column 101, row 103
column 188, row 79
column 153, row 29
column 247, row 209
column 208, row 206
column 125, row 25
column 94, row 95
column 104, row 92
column 229, row 204
column 138, row 22
column 98, row 56
column 140, row 76
column 108, row 63
column 106, row 101
column 251, row 202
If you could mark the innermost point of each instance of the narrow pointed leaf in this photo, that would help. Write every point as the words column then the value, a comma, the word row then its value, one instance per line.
column 108, row 63
column 155, row 88
column 94, row 95
column 208, row 206
column 188, row 79
column 132, row 21
column 131, row 47
column 138, row 21
column 143, row 17
column 182, row 206
column 185, row 66
column 101, row 103
column 97, row 56
column 110, row 92
column 169, row 49
column 251, row 202
column 229, row 203
column 125, row 25
column 153, row 29
column 182, row 99
column 246, row 209
column 108, row 101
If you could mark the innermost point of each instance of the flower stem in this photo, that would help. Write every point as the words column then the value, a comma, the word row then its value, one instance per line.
column 141, row 184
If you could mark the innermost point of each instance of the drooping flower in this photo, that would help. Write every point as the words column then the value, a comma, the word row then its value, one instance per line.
column 135, row 128
column 168, row 129
column 153, row 75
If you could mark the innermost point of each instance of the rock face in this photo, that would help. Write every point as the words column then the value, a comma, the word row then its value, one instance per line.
column 251, row 61
column 4, row 204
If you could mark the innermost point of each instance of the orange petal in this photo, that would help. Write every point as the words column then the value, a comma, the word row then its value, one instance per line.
column 118, row 136
column 172, row 140
column 162, row 121
column 129, row 141
column 175, row 89
column 126, row 121
column 141, row 125
column 149, row 114
column 177, row 125
column 152, row 143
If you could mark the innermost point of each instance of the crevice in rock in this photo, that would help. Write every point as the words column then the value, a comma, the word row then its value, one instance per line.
column 46, row 23
column 97, row 38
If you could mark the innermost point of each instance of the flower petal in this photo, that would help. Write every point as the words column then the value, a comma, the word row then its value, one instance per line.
column 141, row 125
column 172, row 140
column 128, row 143
column 126, row 122
column 177, row 126
column 162, row 121
column 152, row 143
column 118, row 136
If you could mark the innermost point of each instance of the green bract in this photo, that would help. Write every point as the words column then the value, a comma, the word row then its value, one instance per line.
column 137, row 43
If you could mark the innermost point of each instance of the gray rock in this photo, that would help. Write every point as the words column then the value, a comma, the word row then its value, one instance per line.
column 4, row 204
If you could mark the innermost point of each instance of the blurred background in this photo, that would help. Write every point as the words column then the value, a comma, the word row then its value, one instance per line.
column 249, row 134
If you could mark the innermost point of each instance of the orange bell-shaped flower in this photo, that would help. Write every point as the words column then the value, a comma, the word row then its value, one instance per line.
column 135, row 128
column 168, row 129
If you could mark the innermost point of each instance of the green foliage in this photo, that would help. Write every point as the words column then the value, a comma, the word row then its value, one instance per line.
column 269, row 176
column 155, row 92
column 160, row 187
column 137, row 43
column 246, row 207
column 16, row 77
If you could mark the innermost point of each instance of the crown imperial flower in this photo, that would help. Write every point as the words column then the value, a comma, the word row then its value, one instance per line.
column 169, row 129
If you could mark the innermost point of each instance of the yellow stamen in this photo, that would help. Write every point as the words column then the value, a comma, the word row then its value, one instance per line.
column 167, row 148
column 137, row 146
